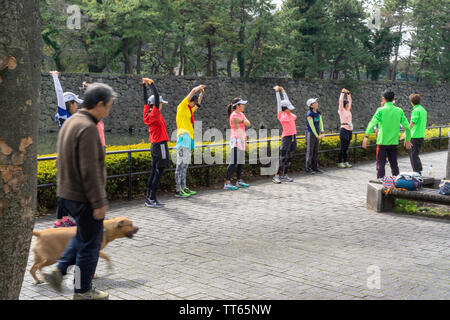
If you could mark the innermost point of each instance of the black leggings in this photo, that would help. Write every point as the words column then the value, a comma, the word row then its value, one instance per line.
column 346, row 137
column 153, row 180
column 237, row 159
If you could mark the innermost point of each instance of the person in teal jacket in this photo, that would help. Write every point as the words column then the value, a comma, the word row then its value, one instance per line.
column 388, row 118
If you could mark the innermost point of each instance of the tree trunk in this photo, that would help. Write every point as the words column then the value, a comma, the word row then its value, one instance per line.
column 408, row 65
column 138, row 57
column 208, row 58
column 229, row 62
column 180, row 71
column 20, row 81
column 240, row 53
column 394, row 68
column 126, row 55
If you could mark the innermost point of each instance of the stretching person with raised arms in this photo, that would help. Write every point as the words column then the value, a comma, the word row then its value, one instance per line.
column 288, row 140
column 345, row 133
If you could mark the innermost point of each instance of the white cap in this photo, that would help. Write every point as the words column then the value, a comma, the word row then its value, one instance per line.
column 287, row 104
column 69, row 96
column 151, row 100
column 311, row 101
column 240, row 102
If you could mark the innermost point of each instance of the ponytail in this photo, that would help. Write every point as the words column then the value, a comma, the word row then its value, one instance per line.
column 230, row 110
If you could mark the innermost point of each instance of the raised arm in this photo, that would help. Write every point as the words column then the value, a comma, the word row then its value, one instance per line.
column 277, row 94
column 341, row 101
column 200, row 97
column 349, row 98
column 194, row 91
column 58, row 89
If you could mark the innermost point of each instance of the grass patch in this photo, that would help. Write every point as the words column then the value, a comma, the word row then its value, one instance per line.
column 421, row 209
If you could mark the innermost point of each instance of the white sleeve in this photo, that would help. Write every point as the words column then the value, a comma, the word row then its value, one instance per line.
column 278, row 101
column 59, row 92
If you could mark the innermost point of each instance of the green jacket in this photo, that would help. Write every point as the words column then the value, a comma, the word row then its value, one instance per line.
column 389, row 118
column 419, row 117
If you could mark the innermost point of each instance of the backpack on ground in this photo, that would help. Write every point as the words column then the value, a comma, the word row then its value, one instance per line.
column 444, row 187
column 409, row 180
column 389, row 181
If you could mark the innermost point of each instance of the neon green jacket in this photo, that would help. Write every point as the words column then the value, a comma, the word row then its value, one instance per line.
column 389, row 118
column 419, row 117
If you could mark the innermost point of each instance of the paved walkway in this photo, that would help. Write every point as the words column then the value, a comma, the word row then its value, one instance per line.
column 310, row 239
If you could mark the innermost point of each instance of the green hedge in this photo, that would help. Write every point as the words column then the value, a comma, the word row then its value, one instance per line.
column 117, row 188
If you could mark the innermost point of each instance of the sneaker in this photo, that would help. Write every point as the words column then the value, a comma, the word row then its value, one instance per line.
column 160, row 203
column 188, row 191
column 229, row 186
column 319, row 171
column 276, row 179
column 242, row 184
column 348, row 165
column 54, row 278
column 342, row 165
column 287, row 178
column 153, row 204
column 310, row 171
column 68, row 222
column 58, row 224
column 182, row 194
column 93, row 294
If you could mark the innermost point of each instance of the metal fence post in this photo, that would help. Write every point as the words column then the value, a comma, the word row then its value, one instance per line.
column 130, row 184
column 439, row 142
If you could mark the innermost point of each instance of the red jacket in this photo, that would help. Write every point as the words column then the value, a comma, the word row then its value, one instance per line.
column 156, row 125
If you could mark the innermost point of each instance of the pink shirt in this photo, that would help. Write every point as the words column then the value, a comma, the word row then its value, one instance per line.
column 101, row 131
column 234, row 133
column 288, row 123
column 345, row 115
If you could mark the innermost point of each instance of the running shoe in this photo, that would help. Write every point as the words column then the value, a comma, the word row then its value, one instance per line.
column 319, row 171
column 276, row 179
column 229, row 186
column 160, row 203
column 58, row 224
column 348, row 165
column 93, row 294
column 287, row 178
column 153, row 204
column 342, row 165
column 310, row 171
column 188, row 191
column 68, row 222
column 182, row 194
column 242, row 184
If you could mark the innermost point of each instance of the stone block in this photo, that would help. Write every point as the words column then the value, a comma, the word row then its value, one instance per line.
column 377, row 199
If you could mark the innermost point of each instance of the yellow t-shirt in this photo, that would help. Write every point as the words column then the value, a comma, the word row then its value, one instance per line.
column 184, row 123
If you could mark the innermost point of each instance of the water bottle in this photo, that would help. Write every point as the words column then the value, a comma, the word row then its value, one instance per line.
column 430, row 170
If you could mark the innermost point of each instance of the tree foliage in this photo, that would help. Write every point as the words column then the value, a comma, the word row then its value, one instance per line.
column 314, row 39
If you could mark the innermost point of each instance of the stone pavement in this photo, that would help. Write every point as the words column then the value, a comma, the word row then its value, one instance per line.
column 310, row 239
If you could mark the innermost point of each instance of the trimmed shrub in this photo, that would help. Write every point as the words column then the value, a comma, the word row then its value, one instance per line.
column 116, row 164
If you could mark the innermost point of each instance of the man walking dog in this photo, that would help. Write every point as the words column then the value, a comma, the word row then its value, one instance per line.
column 81, row 182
